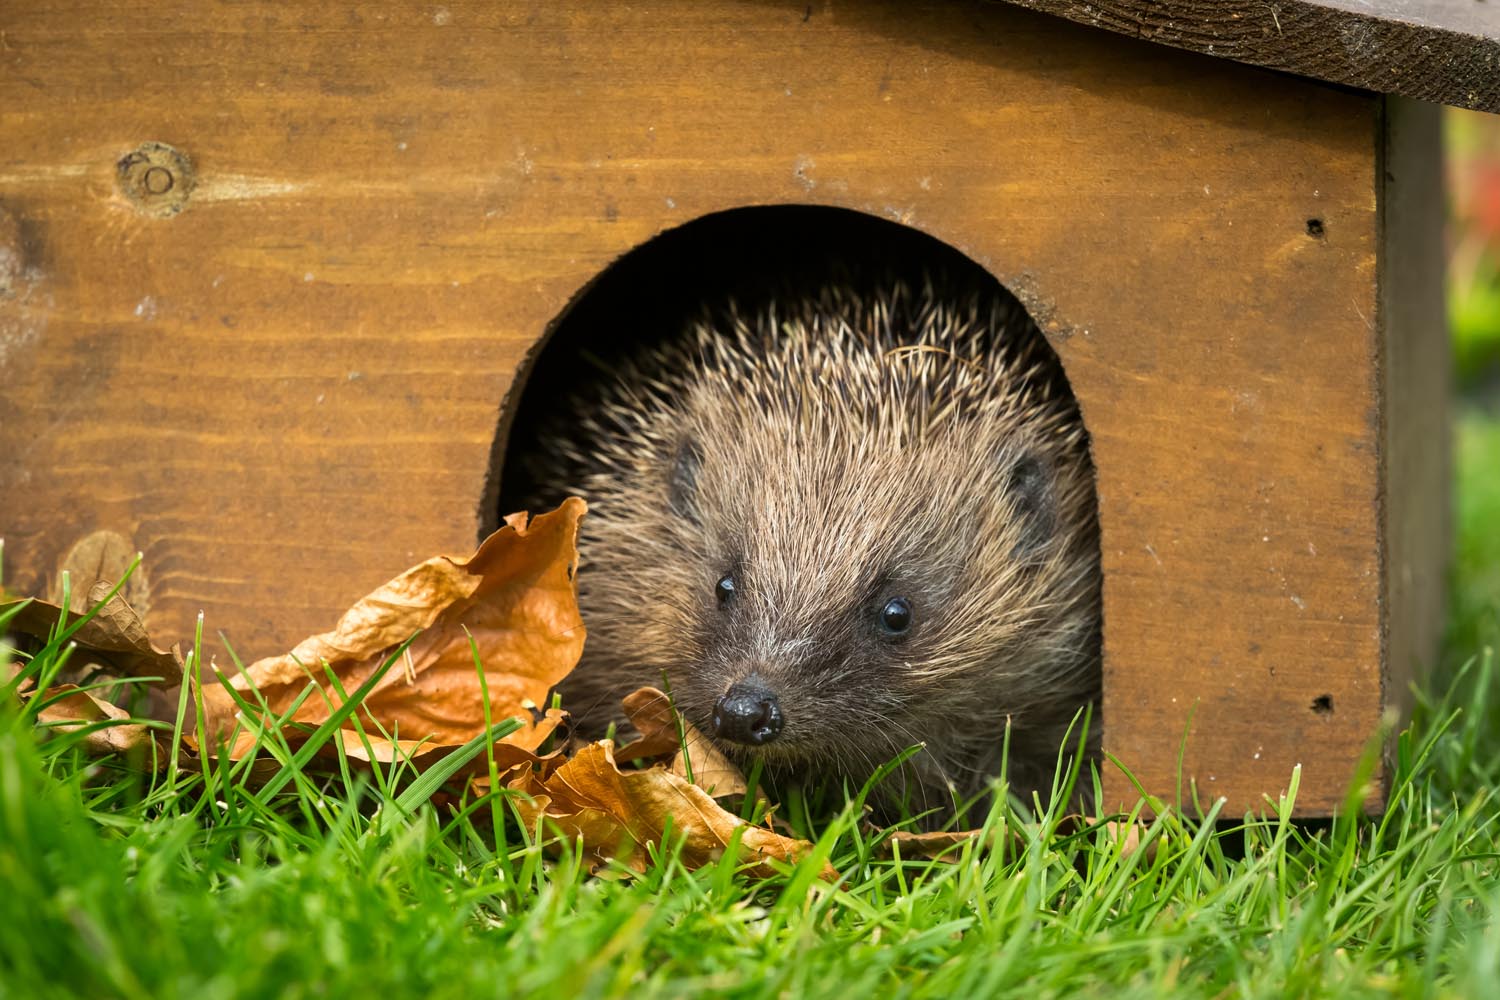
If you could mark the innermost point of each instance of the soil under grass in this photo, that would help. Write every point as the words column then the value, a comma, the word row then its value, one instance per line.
column 196, row 883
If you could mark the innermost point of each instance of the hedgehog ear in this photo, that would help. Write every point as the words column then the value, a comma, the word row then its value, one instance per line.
column 1030, row 486
column 682, row 479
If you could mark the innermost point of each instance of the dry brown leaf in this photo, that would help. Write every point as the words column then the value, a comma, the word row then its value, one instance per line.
column 115, row 637
column 112, row 644
column 101, row 557
column 421, row 753
column 515, row 596
column 944, row 845
column 511, row 759
column 688, row 750
column 618, row 814
column 77, row 708
column 651, row 713
column 1129, row 836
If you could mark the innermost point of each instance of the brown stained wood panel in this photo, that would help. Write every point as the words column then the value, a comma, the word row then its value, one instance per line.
column 286, row 393
column 1445, row 51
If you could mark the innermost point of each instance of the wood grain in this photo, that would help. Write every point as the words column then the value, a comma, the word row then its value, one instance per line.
column 1445, row 51
column 286, row 392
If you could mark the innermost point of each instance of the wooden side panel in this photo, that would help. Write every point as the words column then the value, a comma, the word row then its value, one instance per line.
column 1415, row 376
column 280, row 377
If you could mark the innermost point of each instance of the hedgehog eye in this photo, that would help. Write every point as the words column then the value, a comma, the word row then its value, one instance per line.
column 724, row 589
column 895, row 617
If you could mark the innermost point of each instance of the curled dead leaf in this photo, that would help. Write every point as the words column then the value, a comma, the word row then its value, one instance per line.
column 947, row 845
column 70, row 709
column 1130, row 837
column 114, row 638
column 105, row 557
column 112, row 645
column 688, row 753
column 944, row 845
column 515, row 596
column 619, row 815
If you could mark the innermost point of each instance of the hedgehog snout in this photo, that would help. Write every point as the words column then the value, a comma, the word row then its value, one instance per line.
column 748, row 713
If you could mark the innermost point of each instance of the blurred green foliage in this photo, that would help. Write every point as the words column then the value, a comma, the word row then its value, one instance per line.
column 1473, row 149
column 1474, row 612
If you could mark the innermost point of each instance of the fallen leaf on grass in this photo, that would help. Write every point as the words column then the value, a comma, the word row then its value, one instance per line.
column 73, row 709
column 102, row 556
column 618, row 815
column 510, row 752
column 114, row 638
column 689, row 754
column 511, row 758
column 1129, row 836
column 944, row 845
column 514, row 596
column 111, row 645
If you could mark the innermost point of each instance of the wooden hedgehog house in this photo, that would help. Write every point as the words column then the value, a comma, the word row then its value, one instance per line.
column 272, row 277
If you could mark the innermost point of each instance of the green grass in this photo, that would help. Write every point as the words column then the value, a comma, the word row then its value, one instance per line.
column 197, row 883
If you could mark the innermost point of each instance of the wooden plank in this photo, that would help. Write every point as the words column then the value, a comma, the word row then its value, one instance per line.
column 288, row 390
column 1416, row 371
column 1446, row 51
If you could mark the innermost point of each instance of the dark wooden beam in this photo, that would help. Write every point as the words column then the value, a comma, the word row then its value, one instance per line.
column 1446, row 51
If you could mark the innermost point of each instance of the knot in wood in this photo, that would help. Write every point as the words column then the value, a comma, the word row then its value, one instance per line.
column 155, row 178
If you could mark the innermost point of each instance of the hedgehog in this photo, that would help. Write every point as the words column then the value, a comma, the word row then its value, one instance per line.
column 838, row 524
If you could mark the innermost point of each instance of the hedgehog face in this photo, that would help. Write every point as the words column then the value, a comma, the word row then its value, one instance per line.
column 837, row 534
column 851, row 597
